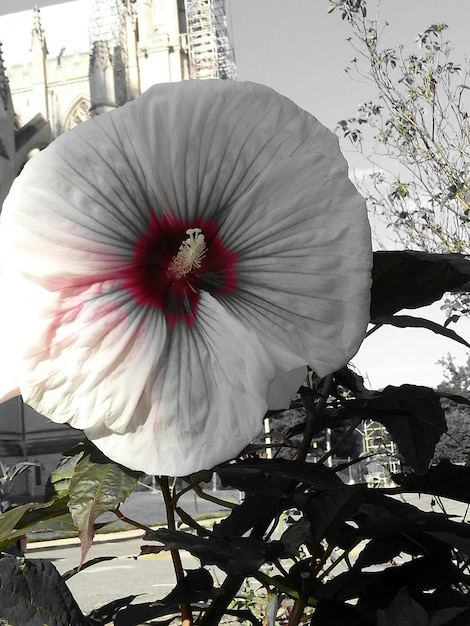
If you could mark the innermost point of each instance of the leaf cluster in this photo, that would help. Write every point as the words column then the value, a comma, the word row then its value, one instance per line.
column 415, row 133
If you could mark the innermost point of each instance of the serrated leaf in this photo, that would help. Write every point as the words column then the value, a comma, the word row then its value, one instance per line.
column 32, row 592
column 58, row 483
column 97, row 485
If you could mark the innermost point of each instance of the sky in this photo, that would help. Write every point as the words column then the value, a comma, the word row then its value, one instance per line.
column 300, row 50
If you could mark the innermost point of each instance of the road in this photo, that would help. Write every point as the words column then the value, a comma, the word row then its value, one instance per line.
column 151, row 576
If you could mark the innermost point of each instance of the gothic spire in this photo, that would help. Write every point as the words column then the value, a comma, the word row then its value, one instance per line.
column 37, row 33
column 4, row 85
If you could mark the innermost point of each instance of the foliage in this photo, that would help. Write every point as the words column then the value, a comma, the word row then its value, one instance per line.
column 415, row 134
column 455, row 444
column 303, row 543
column 456, row 377
column 7, row 481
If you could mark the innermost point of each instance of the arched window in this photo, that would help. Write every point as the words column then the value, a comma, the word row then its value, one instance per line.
column 80, row 112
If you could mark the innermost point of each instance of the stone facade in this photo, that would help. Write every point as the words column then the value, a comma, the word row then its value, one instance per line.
column 68, row 88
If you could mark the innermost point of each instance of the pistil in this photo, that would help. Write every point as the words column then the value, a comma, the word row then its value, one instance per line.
column 190, row 254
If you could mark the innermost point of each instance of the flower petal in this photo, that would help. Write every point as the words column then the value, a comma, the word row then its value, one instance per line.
column 304, row 263
column 205, row 402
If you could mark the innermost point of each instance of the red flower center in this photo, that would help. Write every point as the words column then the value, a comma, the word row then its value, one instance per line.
column 173, row 261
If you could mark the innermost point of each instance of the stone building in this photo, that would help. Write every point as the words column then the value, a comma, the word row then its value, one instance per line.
column 133, row 44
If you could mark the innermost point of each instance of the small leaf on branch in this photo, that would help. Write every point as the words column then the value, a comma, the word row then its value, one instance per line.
column 98, row 485
column 453, row 397
column 409, row 321
column 21, row 519
column 58, row 483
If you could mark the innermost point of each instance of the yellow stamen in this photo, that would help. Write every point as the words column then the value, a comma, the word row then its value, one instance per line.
column 190, row 253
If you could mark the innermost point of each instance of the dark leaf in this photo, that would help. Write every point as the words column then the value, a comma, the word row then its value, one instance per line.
column 445, row 479
column 75, row 570
column 329, row 613
column 33, row 593
column 414, row 418
column 196, row 586
column 256, row 511
column 404, row 611
column 453, row 397
column 237, row 555
column 137, row 614
column 270, row 475
column 381, row 516
column 408, row 321
column 392, row 544
column 244, row 615
column 328, row 511
column 377, row 589
column 107, row 613
column 409, row 280
column 295, row 535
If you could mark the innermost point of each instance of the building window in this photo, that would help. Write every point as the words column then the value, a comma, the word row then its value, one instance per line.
column 80, row 113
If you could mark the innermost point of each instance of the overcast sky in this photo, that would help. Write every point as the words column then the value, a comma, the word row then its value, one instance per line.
column 10, row 6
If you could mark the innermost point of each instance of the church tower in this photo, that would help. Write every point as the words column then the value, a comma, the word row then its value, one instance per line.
column 143, row 42
column 38, row 69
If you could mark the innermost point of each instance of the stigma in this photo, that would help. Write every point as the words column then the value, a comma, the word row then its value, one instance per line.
column 190, row 254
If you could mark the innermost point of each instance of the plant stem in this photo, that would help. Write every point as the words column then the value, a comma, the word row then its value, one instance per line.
column 128, row 520
column 186, row 615
column 217, row 609
column 313, row 413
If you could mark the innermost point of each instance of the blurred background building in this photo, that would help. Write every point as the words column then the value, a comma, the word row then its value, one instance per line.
column 130, row 45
